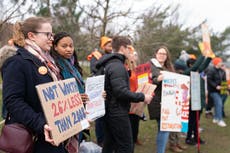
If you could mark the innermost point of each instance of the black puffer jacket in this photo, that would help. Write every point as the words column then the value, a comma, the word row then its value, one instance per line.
column 214, row 77
column 117, row 88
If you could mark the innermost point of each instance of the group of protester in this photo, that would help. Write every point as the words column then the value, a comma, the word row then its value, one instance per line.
column 38, row 56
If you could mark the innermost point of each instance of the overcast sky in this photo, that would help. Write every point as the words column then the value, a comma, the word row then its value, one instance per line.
column 193, row 12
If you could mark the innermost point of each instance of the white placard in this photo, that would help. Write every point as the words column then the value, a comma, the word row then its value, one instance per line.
column 95, row 107
column 175, row 102
column 195, row 91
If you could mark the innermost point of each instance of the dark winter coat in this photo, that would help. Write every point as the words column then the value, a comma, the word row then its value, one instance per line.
column 93, row 70
column 200, row 65
column 117, row 88
column 214, row 77
column 154, row 107
column 20, row 76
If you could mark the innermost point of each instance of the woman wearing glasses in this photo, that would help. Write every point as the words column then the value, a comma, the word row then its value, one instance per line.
column 32, row 65
column 161, row 61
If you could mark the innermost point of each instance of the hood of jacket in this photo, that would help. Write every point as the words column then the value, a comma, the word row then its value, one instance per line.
column 6, row 52
column 108, row 57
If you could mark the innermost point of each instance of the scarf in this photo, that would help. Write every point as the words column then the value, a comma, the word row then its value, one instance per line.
column 156, row 63
column 70, row 71
column 45, row 58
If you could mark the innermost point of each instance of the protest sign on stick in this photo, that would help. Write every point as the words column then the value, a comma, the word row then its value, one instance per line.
column 195, row 91
column 205, row 46
column 63, row 108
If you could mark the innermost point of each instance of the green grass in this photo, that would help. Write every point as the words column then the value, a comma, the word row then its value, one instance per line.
column 217, row 138
column 0, row 104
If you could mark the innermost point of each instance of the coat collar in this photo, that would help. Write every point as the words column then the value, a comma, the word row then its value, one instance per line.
column 28, row 56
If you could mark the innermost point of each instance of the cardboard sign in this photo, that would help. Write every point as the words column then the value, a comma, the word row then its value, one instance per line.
column 142, row 72
column 95, row 107
column 224, row 88
column 227, row 70
column 195, row 91
column 175, row 102
column 138, row 108
column 205, row 46
column 63, row 108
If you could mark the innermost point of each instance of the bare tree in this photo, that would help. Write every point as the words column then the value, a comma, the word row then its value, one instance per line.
column 104, row 17
column 11, row 10
column 101, row 14
column 161, row 27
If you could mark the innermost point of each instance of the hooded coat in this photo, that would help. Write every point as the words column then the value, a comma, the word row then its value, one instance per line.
column 117, row 87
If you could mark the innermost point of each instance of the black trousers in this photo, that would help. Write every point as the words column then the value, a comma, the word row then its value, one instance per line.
column 192, row 124
column 99, row 130
column 134, row 120
column 118, row 135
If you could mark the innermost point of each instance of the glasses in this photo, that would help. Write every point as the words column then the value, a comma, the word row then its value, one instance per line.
column 49, row 35
column 162, row 53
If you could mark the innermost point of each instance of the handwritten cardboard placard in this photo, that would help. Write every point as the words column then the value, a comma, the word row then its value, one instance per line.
column 205, row 46
column 224, row 88
column 95, row 107
column 142, row 72
column 175, row 102
column 63, row 108
column 227, row 70
column 138, row 108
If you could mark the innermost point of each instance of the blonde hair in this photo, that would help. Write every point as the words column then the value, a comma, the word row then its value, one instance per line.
column 132, row 64
column 21, row 29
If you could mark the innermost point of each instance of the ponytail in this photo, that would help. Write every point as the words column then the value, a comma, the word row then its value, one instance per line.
column 18, row 36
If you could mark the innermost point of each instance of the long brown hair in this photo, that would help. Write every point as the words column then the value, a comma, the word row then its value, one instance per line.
column 21, row 29
column 167, row 64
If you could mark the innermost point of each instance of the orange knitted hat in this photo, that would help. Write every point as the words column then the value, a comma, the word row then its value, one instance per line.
column 216, row 60
column 192, row 56
column 104, row 41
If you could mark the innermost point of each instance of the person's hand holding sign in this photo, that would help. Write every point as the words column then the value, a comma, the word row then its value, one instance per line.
column 148, row 98
column 160, row 77
column 48, row 138
column 84, row 97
